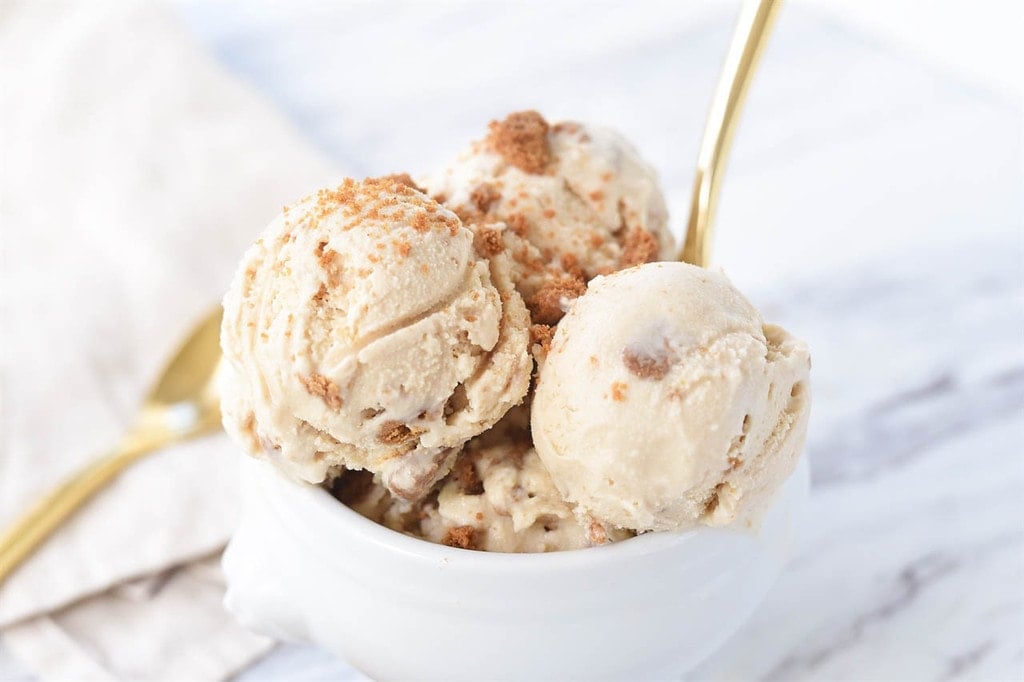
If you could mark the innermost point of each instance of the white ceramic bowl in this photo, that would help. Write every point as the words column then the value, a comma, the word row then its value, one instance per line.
column 304, row 567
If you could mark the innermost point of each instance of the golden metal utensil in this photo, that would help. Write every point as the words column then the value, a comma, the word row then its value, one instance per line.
column 748, row 41
column 182, row 404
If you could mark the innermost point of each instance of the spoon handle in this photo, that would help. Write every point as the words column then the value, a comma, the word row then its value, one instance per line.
column 748, row 40
column 19, row 541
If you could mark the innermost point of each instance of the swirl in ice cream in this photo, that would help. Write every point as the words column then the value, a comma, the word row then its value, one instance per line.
column 362, row 330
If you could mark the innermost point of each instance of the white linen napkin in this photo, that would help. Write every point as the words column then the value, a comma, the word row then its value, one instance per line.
column 133, row 175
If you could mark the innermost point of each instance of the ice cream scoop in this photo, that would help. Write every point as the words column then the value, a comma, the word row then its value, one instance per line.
column 363, row 330
column 666, row 402
column 580, row 197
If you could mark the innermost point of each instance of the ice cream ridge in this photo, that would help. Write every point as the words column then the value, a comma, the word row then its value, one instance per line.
column 501, row 357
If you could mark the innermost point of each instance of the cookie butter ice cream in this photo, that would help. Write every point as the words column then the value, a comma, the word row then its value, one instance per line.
column 573, row 201
column 498, row 498
column 381, row 339
column 665, row 402
column 363, row 330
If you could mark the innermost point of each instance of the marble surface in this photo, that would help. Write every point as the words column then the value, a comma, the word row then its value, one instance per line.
column 873, row 206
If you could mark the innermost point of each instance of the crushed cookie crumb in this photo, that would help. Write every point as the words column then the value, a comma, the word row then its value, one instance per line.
column 618, row 391
column 646, row 366
column 460, row 536
column 546, row 305
column 571, row 264
column 522, row 140
column 483, row 196
column 640, row 247
column 517, row 223
column 324, row 388
column 467, row 214
column 395, row 433
column 542, row 334
column 465, row 475
column 402, row 247
column 420, row 222
column 488, row 241
column 330, row 262
column 402, row 179
column 734, row 463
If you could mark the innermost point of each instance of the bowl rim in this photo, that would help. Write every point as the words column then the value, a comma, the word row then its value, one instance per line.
column 288, row 496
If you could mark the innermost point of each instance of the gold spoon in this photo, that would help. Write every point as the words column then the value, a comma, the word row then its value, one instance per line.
column 748, row 40
column 182, row 404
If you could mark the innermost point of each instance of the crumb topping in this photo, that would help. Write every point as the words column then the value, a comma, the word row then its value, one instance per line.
column 420, row 222
column 571, row 264
column 324, row 388
column 541, row 335
column 640, row 247
column 402, row 247
column 546, row 305
column 488, row 241
column 461, row 536
column 517, row 223
column 403, row 179
column 391, row 198
column 522, row 140
column 484, row 195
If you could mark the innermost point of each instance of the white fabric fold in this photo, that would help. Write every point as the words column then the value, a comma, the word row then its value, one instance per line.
column 133, row 173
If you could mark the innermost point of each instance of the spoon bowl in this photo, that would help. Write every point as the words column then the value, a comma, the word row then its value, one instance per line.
column 183, row 403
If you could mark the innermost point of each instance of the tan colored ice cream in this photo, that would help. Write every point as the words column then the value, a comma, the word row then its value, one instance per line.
column 498, row 498
column 363, row 330
column 578, row 201
column 666, row 402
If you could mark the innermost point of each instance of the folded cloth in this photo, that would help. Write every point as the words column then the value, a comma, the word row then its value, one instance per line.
column 134, row 174
column 167, row 626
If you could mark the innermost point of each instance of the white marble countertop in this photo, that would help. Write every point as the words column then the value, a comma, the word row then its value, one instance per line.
column 874, row 207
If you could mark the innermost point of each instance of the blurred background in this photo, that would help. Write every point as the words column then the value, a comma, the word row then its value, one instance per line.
column 874, row 205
